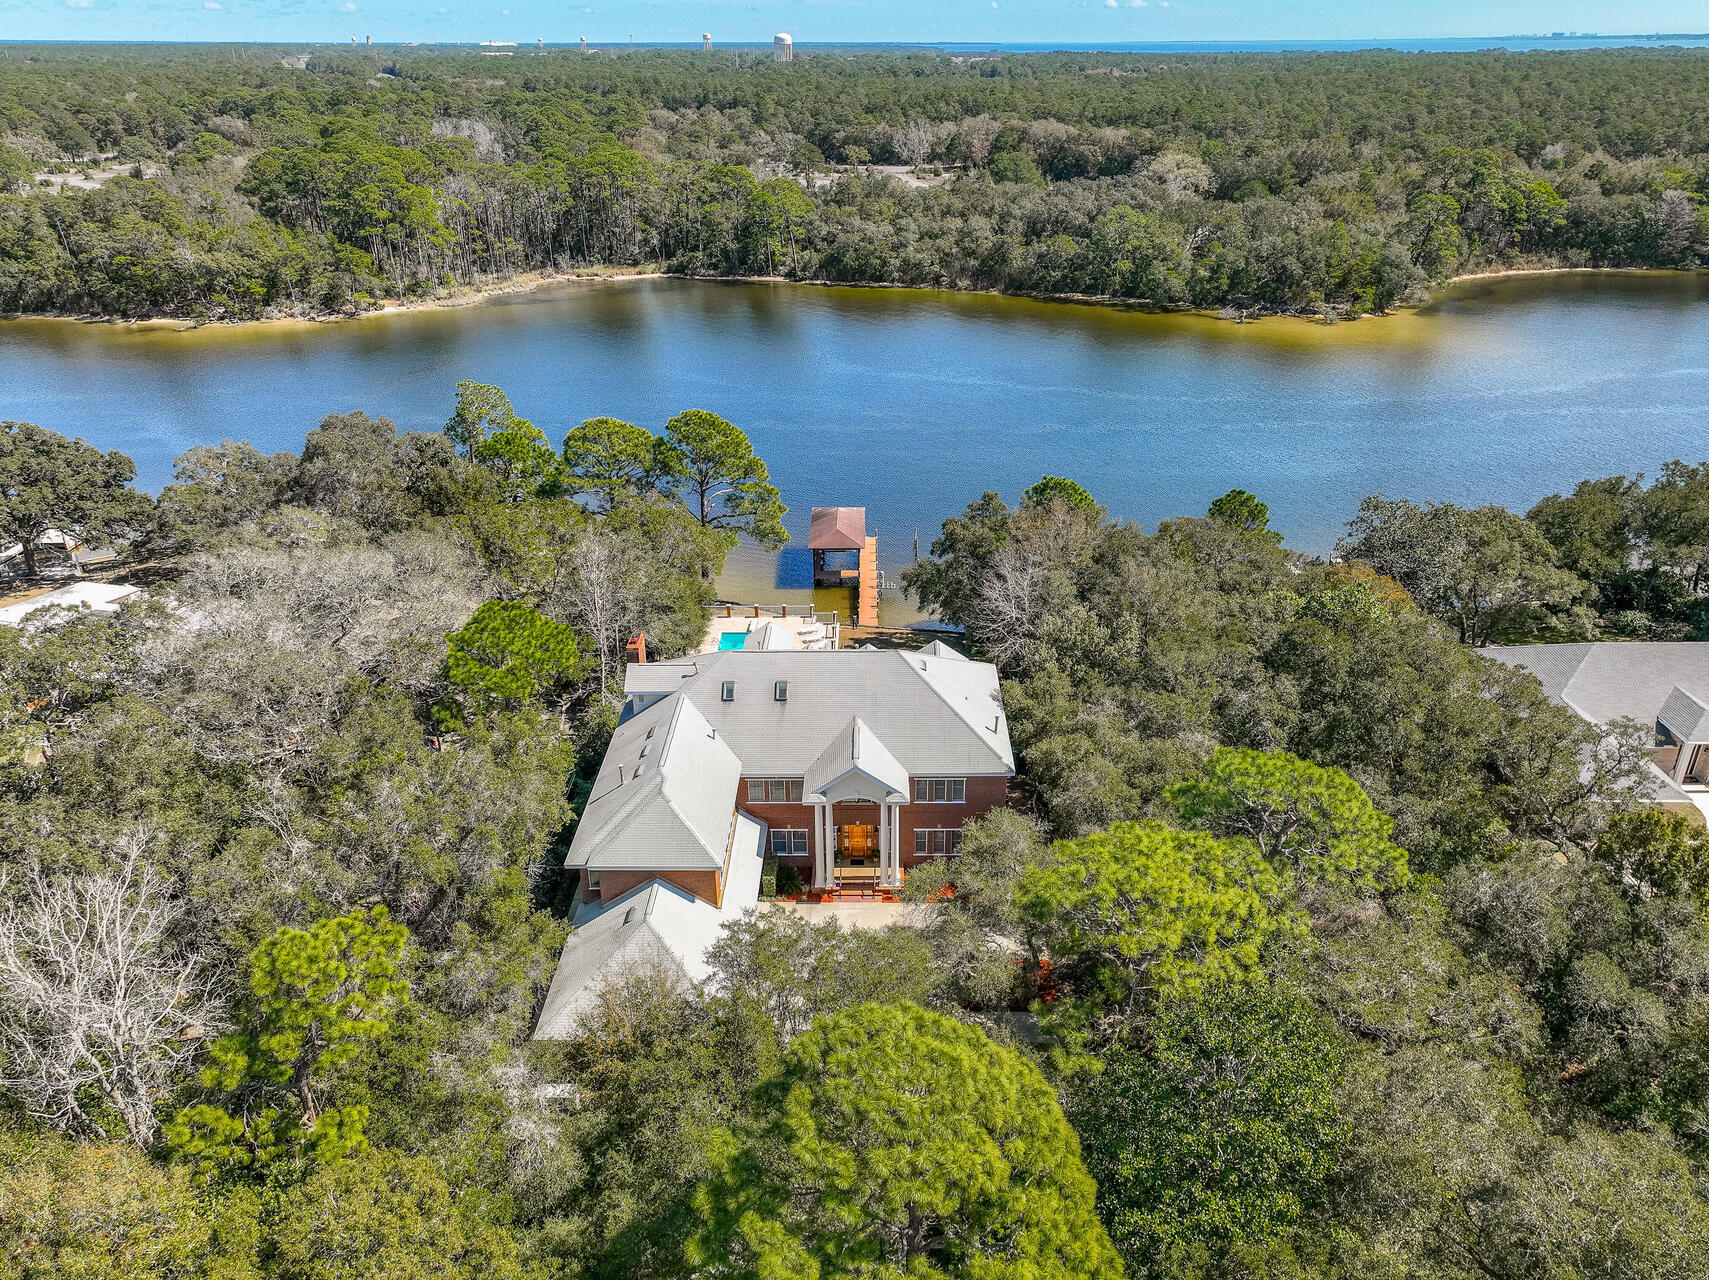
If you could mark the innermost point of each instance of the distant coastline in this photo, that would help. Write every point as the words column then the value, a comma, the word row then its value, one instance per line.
column 530, row 282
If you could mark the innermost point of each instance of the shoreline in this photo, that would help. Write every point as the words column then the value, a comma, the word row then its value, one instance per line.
column 532, row 282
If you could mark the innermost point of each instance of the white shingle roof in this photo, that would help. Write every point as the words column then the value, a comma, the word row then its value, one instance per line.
column 655, row 928
column 1608, row 680
column 100, row 597
column 937, row 714
column 665, row 796
column 855, row 748
column 1686, row 717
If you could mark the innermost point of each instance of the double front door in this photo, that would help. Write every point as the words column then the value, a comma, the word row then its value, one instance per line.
column 856, row 845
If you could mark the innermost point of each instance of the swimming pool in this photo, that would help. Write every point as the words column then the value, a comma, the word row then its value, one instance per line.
column 732, row 640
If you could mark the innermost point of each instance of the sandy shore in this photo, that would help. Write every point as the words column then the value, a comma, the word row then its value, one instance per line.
column 533, row 281
column 465, row 297
column 1508, row 272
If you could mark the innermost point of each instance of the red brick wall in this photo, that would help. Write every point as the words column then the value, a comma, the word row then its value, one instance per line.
column 983, row 795
column 708, row 885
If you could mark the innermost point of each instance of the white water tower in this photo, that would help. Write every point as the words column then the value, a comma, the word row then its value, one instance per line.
column 706, row 41
column 584, row 44
column 782, row 48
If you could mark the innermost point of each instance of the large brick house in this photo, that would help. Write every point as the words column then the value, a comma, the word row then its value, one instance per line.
column 851, row 765
column 860, row 762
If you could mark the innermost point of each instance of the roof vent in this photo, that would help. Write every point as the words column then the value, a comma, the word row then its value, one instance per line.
column 727, row 693
column 780, row 691
column 628, row 915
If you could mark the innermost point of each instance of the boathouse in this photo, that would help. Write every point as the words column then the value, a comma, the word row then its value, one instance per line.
column 837, row 535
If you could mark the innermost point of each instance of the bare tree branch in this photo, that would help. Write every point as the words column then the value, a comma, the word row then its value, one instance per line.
column 96, row 996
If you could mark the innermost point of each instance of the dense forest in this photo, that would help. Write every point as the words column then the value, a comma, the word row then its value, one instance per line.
column 222, row 183
column 1319, row 944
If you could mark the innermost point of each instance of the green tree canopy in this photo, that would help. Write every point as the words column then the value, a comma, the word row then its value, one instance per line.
column 49, row 482
column 613, row 460
column 1592, row 529
column 104, row 1211
column 795, row 969
column 898, row 1142
column 383, row 1216
column 1482, row 570
column 727, row 485
column 1653, row 851
column 316, row 997
column 1239, row 510
column 1313, row 824
column 1143, row 912
column 1051, row 489
column 481, row 410
column 509, row 654
column 487, row 429
column 1214, row 1125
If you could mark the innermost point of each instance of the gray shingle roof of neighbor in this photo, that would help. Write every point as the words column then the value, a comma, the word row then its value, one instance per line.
column 837, row 529
column 1685, row 717
column 1605, row 681
column 936, row 714
column 856, row 747
column 655, row 929
column 664, row 798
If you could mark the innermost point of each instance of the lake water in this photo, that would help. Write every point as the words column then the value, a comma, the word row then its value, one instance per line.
column 911, row 402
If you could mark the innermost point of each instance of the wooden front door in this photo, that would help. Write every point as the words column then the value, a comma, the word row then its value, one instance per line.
column 858, row 842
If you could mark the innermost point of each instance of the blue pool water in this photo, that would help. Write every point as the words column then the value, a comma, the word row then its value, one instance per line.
column 732, row 639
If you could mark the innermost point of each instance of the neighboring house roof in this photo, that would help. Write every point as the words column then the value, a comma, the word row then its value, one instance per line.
column 837, row 529
column 1685, row 717
column 664, row 798
column 100, row 597
column 856, row 749
column 1608, row 681
column 936, row 714
column 654, row 928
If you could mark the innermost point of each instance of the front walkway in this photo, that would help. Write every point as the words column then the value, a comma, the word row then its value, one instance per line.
column 858, row 915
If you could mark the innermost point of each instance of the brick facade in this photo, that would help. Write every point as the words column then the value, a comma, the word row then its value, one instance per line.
column 707, row 885
column 983, row 795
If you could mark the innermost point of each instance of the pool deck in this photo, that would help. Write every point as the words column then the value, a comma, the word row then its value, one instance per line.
column 770, row 627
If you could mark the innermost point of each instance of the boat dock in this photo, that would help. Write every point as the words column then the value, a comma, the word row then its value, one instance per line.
column 836, row 535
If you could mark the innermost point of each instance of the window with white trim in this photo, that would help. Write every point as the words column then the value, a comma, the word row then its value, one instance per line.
column 940, row 790
column 774, row 790
column 936, row 842
column 789, row 842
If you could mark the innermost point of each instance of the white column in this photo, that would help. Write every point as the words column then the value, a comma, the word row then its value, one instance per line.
column 890, row 865
column 826, row 859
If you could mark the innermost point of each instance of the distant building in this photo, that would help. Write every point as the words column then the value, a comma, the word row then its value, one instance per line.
column 97, row 597
column 782, row 48
column 1663, row 685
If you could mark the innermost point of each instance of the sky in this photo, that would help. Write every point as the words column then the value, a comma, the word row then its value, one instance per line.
column 612, row 22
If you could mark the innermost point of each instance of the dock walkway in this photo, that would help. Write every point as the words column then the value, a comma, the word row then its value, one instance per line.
column 866, row 603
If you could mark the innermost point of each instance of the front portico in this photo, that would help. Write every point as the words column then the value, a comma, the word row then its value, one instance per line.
column 856, row 769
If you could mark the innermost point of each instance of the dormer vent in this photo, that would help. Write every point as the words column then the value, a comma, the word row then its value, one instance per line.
column 727, row 691
column 780, row 691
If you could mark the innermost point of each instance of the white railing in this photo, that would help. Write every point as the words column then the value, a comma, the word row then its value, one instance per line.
column 826, row 618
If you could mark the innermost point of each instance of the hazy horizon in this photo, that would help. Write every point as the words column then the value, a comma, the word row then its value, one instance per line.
column 1066, row 23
